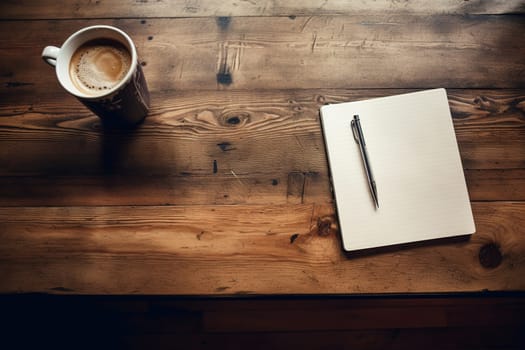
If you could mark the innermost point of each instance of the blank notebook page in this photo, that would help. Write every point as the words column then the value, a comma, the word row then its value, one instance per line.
column 416, row 164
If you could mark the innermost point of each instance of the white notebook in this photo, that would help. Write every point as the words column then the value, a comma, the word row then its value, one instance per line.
column 415, row 160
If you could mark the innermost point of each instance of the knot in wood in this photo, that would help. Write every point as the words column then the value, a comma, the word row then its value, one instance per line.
column 490, row 256
column 321, row 99
column 234, row 119
column 324, row 226
column 488, row 104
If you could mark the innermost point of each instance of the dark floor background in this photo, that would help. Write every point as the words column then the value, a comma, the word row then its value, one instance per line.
column 474, row 321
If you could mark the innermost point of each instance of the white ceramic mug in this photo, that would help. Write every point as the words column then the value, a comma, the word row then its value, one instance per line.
column 128, row 101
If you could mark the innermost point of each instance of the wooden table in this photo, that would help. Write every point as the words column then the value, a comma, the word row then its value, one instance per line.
column 224, row 189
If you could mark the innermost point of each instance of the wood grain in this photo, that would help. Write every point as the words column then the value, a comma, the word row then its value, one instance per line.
column 247, row 132
column 224, row 189
column 290, row 53
column 254, row 188
column 38, row 9
column 226, row 148
column 200, row 250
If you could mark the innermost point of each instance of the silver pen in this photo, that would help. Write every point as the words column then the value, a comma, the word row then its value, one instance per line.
column 360, row 139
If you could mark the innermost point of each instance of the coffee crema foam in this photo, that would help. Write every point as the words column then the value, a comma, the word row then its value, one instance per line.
column 99, row 65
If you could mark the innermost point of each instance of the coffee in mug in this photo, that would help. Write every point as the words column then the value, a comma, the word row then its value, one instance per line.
column 99, row 66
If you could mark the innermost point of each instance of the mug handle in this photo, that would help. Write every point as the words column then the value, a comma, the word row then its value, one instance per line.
column 50, row 54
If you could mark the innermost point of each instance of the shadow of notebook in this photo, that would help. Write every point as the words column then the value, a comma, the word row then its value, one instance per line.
column 415, row 160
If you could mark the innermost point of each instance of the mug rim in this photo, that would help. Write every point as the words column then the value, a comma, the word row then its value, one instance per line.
column 69, row 47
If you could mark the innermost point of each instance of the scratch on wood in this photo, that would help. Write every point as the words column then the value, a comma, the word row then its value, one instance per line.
column 191, row 7
column 296, row 187
column 181, row 69
column 236, row 177
column 299, row 142
column 306, row 23
column 314, row 41
column 224, row 76
column 239, row 50
column 311, row 277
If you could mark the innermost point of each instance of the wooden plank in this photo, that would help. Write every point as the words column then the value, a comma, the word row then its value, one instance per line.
column 206, row 250
column 273, row 154
column 38, row 9
column 157, row 190
column 225, row 138
column 489, row 185
column 253, row 188
column 290, row 53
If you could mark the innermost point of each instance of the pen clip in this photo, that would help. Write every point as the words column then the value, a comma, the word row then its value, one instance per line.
column 354, row 131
